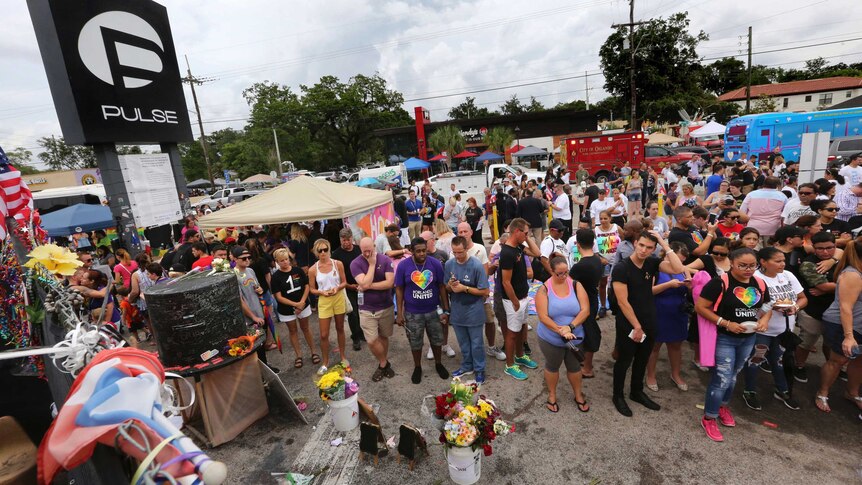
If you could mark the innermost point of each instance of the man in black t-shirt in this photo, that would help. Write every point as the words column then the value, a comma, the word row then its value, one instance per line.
column 512, row 282
column 346, row 253
column 588, row 271
column 685, row 233
column 633, row 280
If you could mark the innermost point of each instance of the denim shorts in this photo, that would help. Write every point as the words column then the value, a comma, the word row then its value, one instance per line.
column 418, row 324
column 833, row 335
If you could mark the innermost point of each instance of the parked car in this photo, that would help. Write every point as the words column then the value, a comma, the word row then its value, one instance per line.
column 702, row 151
column 841, row 148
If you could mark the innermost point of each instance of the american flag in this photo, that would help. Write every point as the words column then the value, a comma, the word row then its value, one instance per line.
column 15, row 198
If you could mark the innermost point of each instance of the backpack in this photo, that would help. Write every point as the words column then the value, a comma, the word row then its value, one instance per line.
column 724, row 283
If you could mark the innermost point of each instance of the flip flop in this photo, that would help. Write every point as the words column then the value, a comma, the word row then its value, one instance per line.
column 582, row 405
column 590, row 376
column 315, row 359
column 857, row 400
column 297, row 364
column 822, row 403
column 271, row 346
column 552, row 406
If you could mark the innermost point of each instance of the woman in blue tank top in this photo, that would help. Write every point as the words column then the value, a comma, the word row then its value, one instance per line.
column 562, row 306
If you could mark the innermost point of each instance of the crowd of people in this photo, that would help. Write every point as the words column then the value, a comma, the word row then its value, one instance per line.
column 747, row 266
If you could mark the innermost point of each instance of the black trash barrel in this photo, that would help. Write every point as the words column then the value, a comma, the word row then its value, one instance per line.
column 193, row 315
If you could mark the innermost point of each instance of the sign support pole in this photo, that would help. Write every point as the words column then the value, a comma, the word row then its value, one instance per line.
column 179, row 177
column 118, row 197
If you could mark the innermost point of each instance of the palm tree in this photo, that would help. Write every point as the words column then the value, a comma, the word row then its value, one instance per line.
column 499, row 139
column 447, row 139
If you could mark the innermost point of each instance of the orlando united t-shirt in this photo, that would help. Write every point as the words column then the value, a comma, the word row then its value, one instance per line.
column 740, row 302
column 421, row 284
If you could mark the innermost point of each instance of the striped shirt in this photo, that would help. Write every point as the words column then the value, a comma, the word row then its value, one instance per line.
column 764, row 208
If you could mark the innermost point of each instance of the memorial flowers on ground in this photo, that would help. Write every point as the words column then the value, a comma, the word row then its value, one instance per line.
column 469, row 419
column 336, row 384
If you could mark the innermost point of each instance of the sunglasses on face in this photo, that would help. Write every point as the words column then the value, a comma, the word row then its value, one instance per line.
column 806, row 193
column 560, row 275
column 720, row 254
column 244, row 258
column 831, row 209
column 322, row 250
column 732, row 217
column 824, row 249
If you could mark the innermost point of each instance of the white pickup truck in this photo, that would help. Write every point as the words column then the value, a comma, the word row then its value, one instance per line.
column 474, row 183
column 227, row 194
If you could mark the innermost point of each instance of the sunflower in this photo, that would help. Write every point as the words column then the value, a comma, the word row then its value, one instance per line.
column 55, row 259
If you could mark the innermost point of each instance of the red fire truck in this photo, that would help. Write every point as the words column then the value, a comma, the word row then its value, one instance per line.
column 601, row 153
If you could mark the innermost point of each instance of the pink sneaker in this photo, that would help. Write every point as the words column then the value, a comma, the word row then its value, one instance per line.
column 725, row 417
column 711, row 428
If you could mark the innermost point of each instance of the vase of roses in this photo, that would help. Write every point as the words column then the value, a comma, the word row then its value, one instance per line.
column 470, row 423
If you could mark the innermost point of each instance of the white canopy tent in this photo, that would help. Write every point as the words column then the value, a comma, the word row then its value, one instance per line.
column 301, row 199
column 662, row 139
column 710, row 129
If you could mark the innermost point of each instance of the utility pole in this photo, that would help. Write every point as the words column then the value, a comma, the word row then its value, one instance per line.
column 191, row 80
column 277, row 153
column 631, row 25
column 748, row 83
column 587, row 88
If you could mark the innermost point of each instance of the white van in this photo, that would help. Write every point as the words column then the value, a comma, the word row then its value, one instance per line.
column 396, row 172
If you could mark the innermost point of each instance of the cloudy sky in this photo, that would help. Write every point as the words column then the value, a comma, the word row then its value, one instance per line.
column 425, row 49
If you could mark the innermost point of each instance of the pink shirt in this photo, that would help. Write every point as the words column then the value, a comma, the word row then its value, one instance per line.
column 764, row 208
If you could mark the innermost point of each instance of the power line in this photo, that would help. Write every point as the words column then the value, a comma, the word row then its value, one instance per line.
column 500, row 88
column 786, row 48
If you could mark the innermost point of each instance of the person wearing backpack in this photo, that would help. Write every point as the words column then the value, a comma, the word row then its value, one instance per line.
column 731, row 301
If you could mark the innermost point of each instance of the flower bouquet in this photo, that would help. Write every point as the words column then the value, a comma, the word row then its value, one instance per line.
column 336, row 384
column 240, row 345
column 469, row 420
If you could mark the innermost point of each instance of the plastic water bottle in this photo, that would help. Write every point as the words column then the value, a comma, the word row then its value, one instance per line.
column 360, row 298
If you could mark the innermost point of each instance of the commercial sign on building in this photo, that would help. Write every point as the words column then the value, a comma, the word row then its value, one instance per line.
column 474, row 134
column 112, row 70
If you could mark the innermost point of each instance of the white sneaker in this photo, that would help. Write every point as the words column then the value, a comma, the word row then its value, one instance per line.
column 449, row 350
column 529, row 327
column 430, row 354
column 322, row 370
column 496, row 353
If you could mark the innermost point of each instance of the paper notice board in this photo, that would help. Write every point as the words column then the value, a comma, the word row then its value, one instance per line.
column 151, row 188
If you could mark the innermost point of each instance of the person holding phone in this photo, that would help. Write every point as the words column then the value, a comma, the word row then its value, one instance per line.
column 468, row 288
column 733, row 302
column 633, row 280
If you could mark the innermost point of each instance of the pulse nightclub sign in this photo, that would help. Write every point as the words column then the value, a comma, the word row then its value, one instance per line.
column 112, row 70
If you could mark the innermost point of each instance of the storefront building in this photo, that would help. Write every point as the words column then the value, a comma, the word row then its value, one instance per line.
column 542, row 129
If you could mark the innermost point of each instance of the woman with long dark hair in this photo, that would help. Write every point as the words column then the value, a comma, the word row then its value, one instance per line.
column 842, row 329
column 733, row 302
column 828, row 210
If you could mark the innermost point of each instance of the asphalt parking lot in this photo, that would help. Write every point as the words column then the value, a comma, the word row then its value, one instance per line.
column 600, row 446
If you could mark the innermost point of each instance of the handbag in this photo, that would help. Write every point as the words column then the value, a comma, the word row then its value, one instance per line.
column 347, row 306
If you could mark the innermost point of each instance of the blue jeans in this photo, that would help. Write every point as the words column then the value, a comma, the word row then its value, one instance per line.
column 773, row 355
column 731, row 353
column 472, row 343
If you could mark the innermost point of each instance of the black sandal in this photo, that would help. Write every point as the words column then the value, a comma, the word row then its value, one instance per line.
column 297, row 364
column 315, row 359
column 554, row 406
column 378, row 374
column 582, row 405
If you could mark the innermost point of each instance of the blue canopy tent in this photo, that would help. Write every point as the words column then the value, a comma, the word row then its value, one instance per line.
column 365, row 182
column 489, row 156
column 77, row 218
column 414, row 163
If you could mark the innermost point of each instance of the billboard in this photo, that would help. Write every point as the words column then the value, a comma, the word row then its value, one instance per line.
column 112, row 70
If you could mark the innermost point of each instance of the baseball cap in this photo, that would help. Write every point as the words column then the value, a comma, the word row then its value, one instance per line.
column 239, row 251
column 786, row 232
column 556, row 224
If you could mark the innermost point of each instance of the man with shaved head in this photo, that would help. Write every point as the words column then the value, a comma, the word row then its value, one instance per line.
column 375, row 277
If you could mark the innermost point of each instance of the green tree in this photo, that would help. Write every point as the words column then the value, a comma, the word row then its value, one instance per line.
column 447, row 139
column 20, row 159
column 667, row 67
column 535, row 106
column 499, row 139
column 576, row 104
column 610, row 108
column 724, row 75
column 764, row 104
column 513, row 106
column 129, row 150
column 57, row 155
column 342, row 116
column 468, row 110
